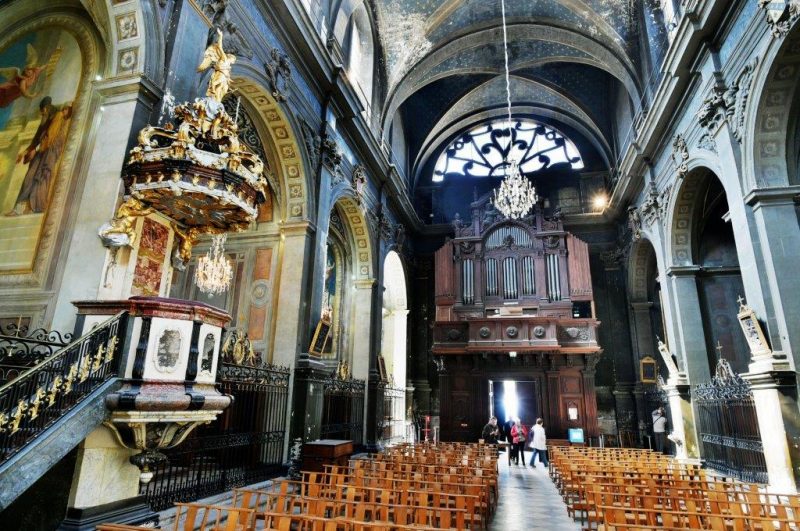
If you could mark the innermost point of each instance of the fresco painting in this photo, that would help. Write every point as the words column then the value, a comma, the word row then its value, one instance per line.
column 40, row 74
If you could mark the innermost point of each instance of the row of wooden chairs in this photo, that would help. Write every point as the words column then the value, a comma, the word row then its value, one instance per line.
column 609, row 489
column 403, row 488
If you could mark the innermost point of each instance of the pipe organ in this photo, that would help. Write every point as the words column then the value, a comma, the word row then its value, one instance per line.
column 514, row 301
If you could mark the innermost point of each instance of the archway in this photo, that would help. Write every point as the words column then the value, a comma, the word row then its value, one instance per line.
column 704, row 254
column 394, row 346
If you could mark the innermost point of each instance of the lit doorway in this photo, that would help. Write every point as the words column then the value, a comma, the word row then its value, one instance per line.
column 509, row 399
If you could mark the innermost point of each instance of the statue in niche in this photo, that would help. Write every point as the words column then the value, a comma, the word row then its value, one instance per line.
column 221, row 62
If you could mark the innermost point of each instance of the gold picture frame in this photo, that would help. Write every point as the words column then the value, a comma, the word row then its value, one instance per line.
column 648, row 370
column 321, row 339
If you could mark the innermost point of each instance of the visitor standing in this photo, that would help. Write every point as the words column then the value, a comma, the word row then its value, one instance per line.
column 490, row 431
column 659, row 429
column 519, row 434
column 539, row 443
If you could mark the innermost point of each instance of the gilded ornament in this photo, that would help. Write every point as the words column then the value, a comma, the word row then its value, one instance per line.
column 73, row 372
column 55, row 387
column 121, row 230
column 221, row 62
column 85, row 369
column 19, row 414
column 33, row 407
column 98, row 358
column 112, row 346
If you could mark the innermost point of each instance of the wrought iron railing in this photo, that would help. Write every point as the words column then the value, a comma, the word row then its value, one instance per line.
column 243, row 446
column 41, row 395
column 391, row 414
column 343, row 409
column 728, row 426
column 22, row 348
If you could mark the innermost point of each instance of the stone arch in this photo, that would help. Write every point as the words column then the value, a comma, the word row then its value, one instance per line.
column 422, row 72
column 765, row 125
column 642, row 259
column 356, row 221
column 296, row 202
column 681, row 205
column 395, row 312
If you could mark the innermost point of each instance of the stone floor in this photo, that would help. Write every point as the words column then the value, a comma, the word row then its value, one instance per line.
column 529, row 500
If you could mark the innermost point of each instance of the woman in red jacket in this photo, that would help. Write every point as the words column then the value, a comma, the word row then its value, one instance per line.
column 519, row 434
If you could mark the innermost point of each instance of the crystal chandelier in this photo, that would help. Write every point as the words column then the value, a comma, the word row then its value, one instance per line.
column 516, row 195
column 214, row 271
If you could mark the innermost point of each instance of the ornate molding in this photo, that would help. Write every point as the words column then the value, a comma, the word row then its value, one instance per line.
column 331, row 155
column 635, row 223
column 712, row 110
column 737, row 97
column 707, row 142
column 680, row 156
column 312, row 141
column 279, row 73
column 649, row 209
column 781, row 15
column 359, row 183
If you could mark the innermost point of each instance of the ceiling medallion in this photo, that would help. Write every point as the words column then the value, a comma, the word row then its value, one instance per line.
column 516, row 196
column 214, row 271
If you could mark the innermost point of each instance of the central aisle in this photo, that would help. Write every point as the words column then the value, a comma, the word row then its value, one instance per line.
column 529, row 500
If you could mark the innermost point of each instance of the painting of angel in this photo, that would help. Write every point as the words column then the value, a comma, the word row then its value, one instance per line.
column 20, row 82
column 41, row 73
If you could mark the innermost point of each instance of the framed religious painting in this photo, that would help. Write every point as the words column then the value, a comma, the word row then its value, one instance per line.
column 320, row 343
column 648, row 370
column 40, row 79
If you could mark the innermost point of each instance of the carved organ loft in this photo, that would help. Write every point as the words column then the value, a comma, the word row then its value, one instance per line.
column 514, row 301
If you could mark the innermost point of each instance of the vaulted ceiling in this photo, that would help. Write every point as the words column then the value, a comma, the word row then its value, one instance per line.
column 573, row 64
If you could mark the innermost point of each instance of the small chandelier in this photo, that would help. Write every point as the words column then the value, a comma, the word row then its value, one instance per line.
column 516, row 195
column 214, row 271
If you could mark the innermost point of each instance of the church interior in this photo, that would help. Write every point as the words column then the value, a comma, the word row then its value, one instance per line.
column 274, row 264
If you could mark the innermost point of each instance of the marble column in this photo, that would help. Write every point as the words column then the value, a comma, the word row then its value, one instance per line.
column 690, row 334
column 682, row 421
column 362, row 303
column 776, row 220
column 773, row 392
column 290, row 340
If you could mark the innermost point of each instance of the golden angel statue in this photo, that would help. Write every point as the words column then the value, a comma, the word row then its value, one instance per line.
column 216, row 58
column 121, row 230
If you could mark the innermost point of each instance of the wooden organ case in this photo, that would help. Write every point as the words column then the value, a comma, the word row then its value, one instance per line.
column 514, row 302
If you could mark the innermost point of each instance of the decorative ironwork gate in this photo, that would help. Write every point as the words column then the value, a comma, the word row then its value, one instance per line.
column 244, row 446
column 728, row 426
column 391, row 414
column 343, row 409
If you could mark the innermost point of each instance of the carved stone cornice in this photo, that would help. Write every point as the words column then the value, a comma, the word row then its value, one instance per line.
column 781, row 15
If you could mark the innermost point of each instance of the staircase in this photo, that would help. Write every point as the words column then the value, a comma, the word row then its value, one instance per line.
column 52, row 396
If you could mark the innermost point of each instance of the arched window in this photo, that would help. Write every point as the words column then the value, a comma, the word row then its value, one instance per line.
column 361, row 54
column 485, row 150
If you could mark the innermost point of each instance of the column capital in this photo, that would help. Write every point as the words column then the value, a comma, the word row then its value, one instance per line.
column 364, row 283
column 641, row 305
column 773, row 196
column 296, row 228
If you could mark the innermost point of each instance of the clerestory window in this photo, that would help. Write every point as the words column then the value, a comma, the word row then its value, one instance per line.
column 486, row 150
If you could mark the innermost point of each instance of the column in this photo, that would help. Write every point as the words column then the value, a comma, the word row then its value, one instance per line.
column 690, row 334
column 362, row 303
column 774, row 392
column 682, row 421
column 776, row 221
column 289, row 339
column 87, row 259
